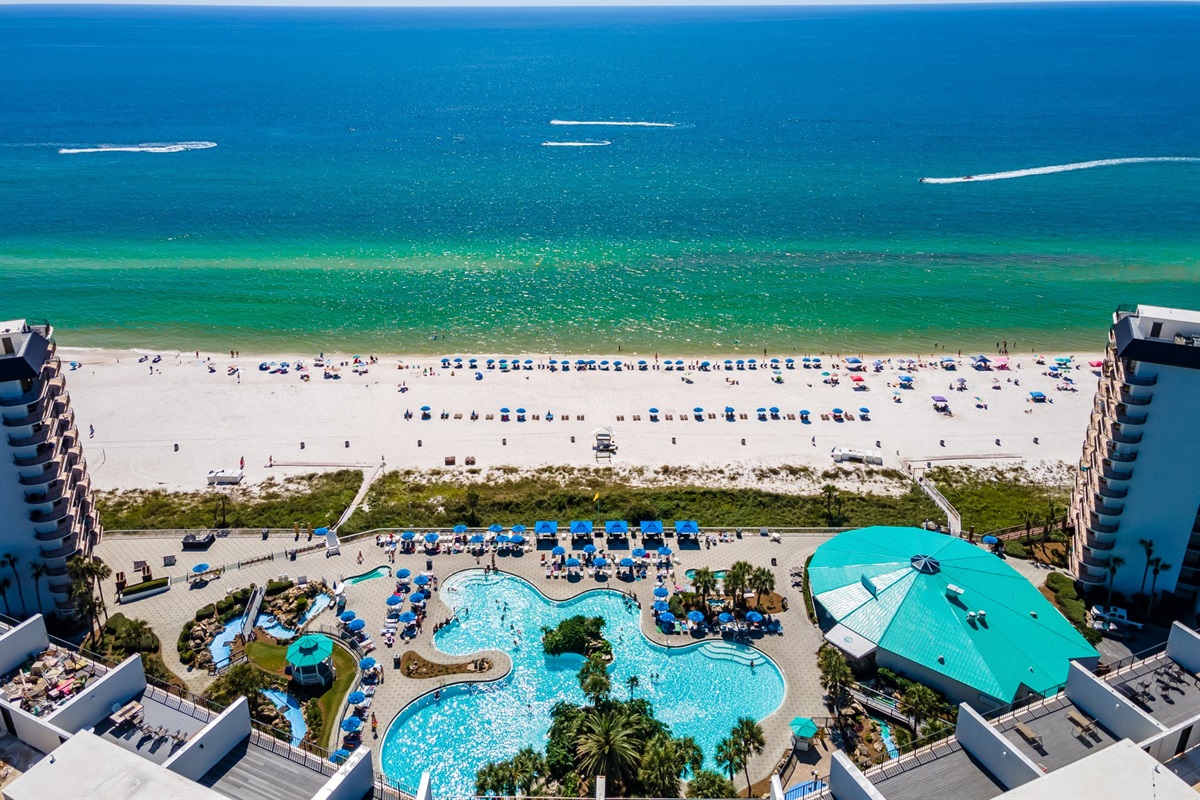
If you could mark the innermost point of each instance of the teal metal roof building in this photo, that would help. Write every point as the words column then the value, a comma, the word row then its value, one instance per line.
column 944, row 612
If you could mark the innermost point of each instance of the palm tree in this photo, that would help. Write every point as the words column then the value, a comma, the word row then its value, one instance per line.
column 704, row 582
column 748, row 737
column 1114, row 564
column 737, row 579
column 633, row 682
column 1158, row 567
column 729, row 757
column 594, row 680
column 99, row 572
column 710, row 784
column 38, row 570
column 85, row 607
column 691, row 753
column 528, row 768
column 661, row 767
column 762, row 581
column 608, row 745
column 920, row 702
column 5, row 585
column 1148, row 546
column 831, row 495
column 836, row 679
column 240, row 680
column 132, row 635
column 9, row 560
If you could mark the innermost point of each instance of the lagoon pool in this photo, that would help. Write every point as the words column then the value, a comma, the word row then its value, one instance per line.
column 276, row 629
column 378, row 572
column 719, row 574
column 699, row 690
column 294, row 713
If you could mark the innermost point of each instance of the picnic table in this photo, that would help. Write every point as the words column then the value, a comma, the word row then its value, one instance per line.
column 127, row 712
column 1080, row 721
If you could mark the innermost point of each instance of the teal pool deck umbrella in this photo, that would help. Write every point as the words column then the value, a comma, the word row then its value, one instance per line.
column 804, row 728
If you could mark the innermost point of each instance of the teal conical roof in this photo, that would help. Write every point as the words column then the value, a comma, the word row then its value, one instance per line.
column 947, row 605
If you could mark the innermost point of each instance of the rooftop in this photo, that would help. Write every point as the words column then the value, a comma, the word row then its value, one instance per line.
column 1160, row 687
column 165, row 724
column 946, row 770
column 253, row 772
column 1060, row 745
column 947, row 605
column 1121, row 771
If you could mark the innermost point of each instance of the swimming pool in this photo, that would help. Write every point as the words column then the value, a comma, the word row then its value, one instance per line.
column 698, row 690
column 719, row 574
column 294, row 713
column 220, row 646
column 378, row 572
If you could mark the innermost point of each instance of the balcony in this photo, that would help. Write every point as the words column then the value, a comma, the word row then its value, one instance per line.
column 64, row 605
column 52, row 494
column 1097, row 544
column 27, row 399
column 1104, row 490
column 1108, row 510
column 47, row 475
column 1094, row 525
column 63, row 528
column 1122, row 457
column 1130, row 399
column 1125, row 418
column 53, row 515
column 1137, row 380
column 44, row 454
column 1092, row 561
column 1112, row 474
column 57, row 572
column 68, row 549
column 1120, row 437
column 1092, row 580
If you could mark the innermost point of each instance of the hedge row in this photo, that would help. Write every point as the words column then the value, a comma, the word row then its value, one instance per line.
column 1074, row 609
column 145, row 586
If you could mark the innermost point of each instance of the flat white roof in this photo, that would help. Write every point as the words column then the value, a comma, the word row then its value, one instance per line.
column 88, row 766
column 1163, row 312
column 1120, row 772
column 849, row 642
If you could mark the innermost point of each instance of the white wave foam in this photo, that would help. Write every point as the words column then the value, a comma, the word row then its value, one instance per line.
column 618, row 124
column 1025, row 173
column 148, row 147
column 576, row 144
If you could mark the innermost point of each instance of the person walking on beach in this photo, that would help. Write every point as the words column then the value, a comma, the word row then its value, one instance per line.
column 91, row 431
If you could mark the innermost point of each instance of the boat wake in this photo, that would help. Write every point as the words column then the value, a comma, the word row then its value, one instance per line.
column 616, row 124
column 1025, row 173
column 576, row 144
column 148, row 147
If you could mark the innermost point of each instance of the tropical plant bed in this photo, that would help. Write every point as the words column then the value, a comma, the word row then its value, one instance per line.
column 416, row 666
column 123, row 637
column 272, row 658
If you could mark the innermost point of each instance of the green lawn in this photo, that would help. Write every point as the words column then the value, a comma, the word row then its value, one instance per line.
column 273, row 657
column 267, row 657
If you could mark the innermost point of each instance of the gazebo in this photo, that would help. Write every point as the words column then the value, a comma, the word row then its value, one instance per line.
column 311, row 659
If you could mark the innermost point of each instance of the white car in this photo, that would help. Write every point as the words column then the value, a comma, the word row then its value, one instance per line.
column 1114, row 614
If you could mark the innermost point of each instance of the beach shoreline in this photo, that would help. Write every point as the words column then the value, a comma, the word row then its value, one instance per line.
column 164, row 425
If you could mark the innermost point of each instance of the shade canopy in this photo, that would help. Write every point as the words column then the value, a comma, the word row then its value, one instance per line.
column 651, row 527
column 572, row 562
column 403, row 573
column 581, row 526
column 460, row 528
column 661, row 591
column 309, row 650
column 394, row 600
column 589, row 548
column 666, row 616
column 664, row 551
column 355, row 698
column 695, row 616
column 545, row 526
column 626, row 562
column 200, row 568
column 617, row 526
column 725, row 618
column 347, row 616
column 350, row 724
column 803, row 727
column 408, row 618
column 367, row 663
column 753, row 616
column 686, row 526
column 421, row 580
column 431, row 538
column 601, row 562
column 356, row 625
column 660, row 606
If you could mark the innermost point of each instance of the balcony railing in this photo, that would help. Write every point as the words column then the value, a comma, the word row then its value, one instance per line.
column 1120, row 437
column 1092, row 580
column 1111, row 473
column 53, row 515
column 47, row 475
column 63, row 528
column 1130, row 399
column 1126, row 418
column 1108, row 510
column 57, row 572
column 1096, row 526
column 1137, row 380
column 1122, row 457
column 1104, row 490
column 28, row 398
column 61, row 552
column 1098, row 544
column 52, row 494
column 1092, row 561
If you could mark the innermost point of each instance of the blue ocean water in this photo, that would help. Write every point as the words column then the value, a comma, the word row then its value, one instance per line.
column 379, row 176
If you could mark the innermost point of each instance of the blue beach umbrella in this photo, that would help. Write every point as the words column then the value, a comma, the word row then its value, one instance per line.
column 697, row 410
column 518, row 528
column 321, row 532
column 477, row 539
column 394, row 600
column 517, row 538
column 426, row 408
column 559, row 551
column 626, row 562
column 864, row 411
column 639, row 552
column 654, row 411
column 408, row 618
column 589, row 548
column 403, row 573
column 725, row 618
column 200, row 568
column 356, row 625
column 460, row 528
column 572, row 562
column 990, row 540
column 430, row 538
column 661, row 591
column 754, row 616
column 838, row 411
column 366, row 663
column 666, row 616
column 350, row 724
column 408, row 536
column 421, row 580
column 355, row 698
column 496, row 528
column 601, row 562
column 664, row 551
column 347, row 616
column 660, row 606
column 503, row 538
column 695, row 616
column 774, row 409
column 804, row 412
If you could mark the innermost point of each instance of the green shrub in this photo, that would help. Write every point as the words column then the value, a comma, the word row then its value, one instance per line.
column 1014, row 549
column 572, row 635
column 206, row 612
column 187, row 656
column 224, row 605
column 278, row 587
column 1074, row 609
column 230, row 615
column 145, row 586
column 242, row 595
column 301, row 604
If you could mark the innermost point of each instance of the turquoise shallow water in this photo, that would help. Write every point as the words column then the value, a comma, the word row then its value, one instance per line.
column 379, row 176
column 699, row 690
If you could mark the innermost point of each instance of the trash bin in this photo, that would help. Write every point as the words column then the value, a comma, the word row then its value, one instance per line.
column 395, row 661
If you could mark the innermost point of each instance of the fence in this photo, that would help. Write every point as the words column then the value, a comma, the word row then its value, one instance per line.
column 317, row 759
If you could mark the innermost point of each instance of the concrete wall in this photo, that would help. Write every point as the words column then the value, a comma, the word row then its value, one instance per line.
column 95, row 702
column 22, row 641
column 847, row 782
column 1101, row 702
column 354, row 780
column 209, row 745
column 1183, row 645
column 955, row 691
column 1012, row 767
column 1166, row 745
column 36, row 732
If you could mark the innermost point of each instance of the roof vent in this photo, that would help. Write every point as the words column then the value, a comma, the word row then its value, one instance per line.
column 941, row 659
column 952, row 590
column 981, row 614
column 927, row 565
column 970, row 615
column 1033, row 614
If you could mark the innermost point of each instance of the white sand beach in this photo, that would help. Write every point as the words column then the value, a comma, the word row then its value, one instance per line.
column 141, row 410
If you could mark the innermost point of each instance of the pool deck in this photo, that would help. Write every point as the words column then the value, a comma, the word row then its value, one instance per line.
column 794, row 651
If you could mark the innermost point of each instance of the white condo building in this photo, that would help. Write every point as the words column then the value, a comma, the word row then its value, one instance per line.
column 47, row 513
column 1138, row 478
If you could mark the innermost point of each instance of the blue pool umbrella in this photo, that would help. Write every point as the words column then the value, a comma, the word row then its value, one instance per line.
column 495, row 528
column 664, row 551
column 356, row 625
column 666, row 616
column 431, row 537
column 417, row 598
column 518, row 528
column 394, row 600
column 200, row 568
column 754, row 616
column 408, row 536
column 503, row 538
column 804, row 412
column 660, row 606
column 421, row 580
column 408, row 618
column 990, row 540
column 460, row 528
column 351, row 724
column 601, row 562
column 695, row 616
column 347, row 616
column 589, row 548
column 559, row 551
column 639, row 553
column 355, row 698
column 517, row 538
column 477, row 539
column 366, row 663
column 426, row 408
column 626, row 562
column 321, row 531
column 338, row 756
column 403, row 573
column 654, row 411
column 572, row 562
column 651, row 527
column 661, row 591
column 725, row 618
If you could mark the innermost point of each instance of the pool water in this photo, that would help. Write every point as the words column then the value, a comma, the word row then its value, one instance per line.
column 378, row 572
column 889, row 742
column 294, row 713
column 220, row 645
column 720, row 574
column 699, row 690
